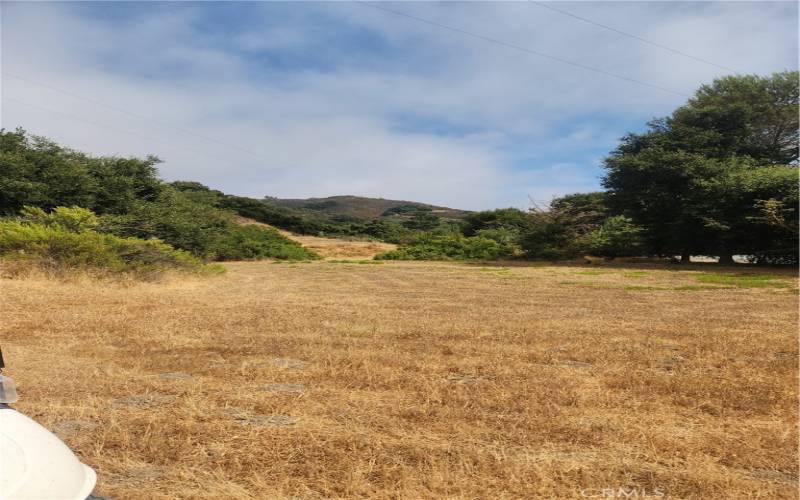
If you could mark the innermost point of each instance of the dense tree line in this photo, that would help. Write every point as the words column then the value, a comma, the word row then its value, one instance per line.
column 719, row 177
column 130, row 200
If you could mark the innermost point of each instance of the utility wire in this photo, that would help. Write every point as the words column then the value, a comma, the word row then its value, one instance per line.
column 629, row 35
column 520, row 48
column 135, row 115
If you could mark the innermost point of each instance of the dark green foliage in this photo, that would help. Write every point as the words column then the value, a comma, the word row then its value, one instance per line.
column 745, row 115
column 719, row 176
column 422, row 221
column 253, row 242
column 201, row 228
column 407, row 209
column 617, row 236
column 448, row 246
column 35, row 171
column 586, row 211
column 556, row 232
column 61, row 240
column 321, row 205
column 267, row 213
column 130, row 198
column 389, row 231
column 510, row 219
column 174, row 218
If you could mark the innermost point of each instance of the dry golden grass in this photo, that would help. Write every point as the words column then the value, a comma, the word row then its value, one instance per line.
column 331, row 248
column 414, row 380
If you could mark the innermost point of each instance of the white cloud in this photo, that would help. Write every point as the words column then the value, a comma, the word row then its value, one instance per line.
column 331, row 126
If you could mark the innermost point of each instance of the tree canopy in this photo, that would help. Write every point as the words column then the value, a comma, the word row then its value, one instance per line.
column 719, row 175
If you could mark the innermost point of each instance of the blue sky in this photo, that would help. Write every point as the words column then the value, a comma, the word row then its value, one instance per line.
column 322, row 98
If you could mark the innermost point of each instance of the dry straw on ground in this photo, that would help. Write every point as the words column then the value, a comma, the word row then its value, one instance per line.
column 415, row 380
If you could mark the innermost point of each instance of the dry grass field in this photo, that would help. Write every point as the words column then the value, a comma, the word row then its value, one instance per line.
column 417, row 380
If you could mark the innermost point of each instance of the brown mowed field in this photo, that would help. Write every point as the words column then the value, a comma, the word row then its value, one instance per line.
column 417, row 380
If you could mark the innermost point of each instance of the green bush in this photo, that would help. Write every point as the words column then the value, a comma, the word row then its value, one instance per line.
column 59, row 248
column 254, row 242
column 189, row 221
column 75, row 219
column 449, row 246
column 618, row 236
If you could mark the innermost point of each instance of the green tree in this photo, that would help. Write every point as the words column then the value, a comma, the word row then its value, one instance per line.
column 696, row 180
column 554, row 232
column 511, row 219
column 38, row 172
column 422, row 220
column 617, row 236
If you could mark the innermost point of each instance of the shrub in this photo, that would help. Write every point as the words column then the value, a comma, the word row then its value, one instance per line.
column 253, row 242
column 59, row 248
column 555, row 232
column 618, row 236
column 75, row 219
column 189, row 221
column 448, row 247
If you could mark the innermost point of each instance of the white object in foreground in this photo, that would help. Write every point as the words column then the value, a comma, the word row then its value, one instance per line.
column 35, row 464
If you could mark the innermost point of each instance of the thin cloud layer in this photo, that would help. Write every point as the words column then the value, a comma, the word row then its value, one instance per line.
column 318, row 99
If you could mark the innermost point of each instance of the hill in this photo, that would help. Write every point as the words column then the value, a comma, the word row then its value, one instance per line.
column 360, row 207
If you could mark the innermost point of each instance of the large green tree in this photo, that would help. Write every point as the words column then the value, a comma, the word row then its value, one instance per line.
column 718, row 176
column 37, row 171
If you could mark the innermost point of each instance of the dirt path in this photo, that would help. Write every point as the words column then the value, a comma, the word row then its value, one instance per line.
column 331, row 248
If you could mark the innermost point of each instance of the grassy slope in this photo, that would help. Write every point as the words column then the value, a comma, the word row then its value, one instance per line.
column 415, row 380
column 329, row 248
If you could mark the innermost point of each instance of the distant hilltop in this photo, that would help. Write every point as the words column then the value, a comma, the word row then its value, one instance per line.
column 361, row 207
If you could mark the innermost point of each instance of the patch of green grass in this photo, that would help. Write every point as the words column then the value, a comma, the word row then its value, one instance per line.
column 636, row 274
column 360, row 262
column 743, row 280
column 702, row 287
column 502, row 272
column 586, row 284
column 641, row 288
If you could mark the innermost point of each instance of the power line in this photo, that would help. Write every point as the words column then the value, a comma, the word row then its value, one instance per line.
column 109, row 127
column 520, row 48
column 629, row 35
column 135, row 115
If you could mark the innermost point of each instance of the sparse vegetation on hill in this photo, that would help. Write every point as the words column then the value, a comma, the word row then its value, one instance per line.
column 363, row 208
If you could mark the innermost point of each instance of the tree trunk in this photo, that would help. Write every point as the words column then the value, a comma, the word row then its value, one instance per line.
column 726, row 259
column 685, row 258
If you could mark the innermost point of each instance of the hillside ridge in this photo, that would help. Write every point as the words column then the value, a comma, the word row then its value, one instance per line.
column 364, row 207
